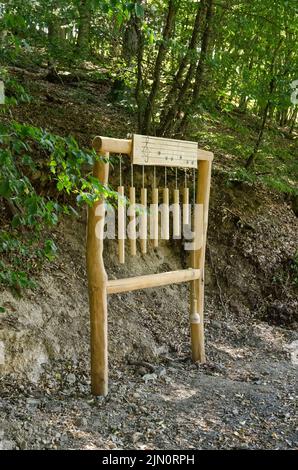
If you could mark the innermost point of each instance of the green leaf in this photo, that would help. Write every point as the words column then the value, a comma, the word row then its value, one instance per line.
column 139, row 10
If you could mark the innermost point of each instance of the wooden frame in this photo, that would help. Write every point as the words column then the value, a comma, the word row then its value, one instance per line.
column 98, row 284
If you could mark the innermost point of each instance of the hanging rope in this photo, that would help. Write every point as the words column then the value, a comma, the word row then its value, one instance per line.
column 166, row 177
column 176, row 177
column 131, row 175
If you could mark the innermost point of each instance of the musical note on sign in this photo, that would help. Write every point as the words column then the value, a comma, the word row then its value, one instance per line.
column 164, row 152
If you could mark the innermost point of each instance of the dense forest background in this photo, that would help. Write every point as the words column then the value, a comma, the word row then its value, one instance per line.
column 222, row 73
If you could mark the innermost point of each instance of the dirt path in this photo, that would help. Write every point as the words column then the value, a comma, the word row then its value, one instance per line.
column 244, row 397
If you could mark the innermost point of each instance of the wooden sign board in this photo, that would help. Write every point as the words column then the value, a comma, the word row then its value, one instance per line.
column 158, row 151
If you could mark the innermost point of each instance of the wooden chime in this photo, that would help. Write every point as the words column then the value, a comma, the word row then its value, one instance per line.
column 152, row 215
column 144, row 151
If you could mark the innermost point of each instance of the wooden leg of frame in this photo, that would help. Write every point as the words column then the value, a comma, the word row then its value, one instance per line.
column 97, row 286
column 198, row 261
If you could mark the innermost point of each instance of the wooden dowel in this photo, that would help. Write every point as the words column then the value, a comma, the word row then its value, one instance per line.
column 132, row 221
column 108, row 144
column 97, row 288
column 121, row 225
column 117, row 286
column 176, row 215
column 165, row 216
column 186, row 207
column 143, row 221
column 154, row 218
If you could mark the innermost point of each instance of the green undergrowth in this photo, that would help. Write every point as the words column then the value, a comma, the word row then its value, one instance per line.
column 42, row 176
column 231, row 137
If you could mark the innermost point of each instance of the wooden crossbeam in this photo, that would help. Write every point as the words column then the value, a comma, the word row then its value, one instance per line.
column 125, row 147
column 116, row 286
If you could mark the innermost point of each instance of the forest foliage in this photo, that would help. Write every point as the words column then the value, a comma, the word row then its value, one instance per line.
column 170, row 63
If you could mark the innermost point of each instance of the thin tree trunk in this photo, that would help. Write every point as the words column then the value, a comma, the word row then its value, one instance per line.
column 55, row 33
column 200, row 68
column 252, row 156
column 167, row 32
column 84, row 26
column 140, row 53
column 170, row 106
column 293, row 120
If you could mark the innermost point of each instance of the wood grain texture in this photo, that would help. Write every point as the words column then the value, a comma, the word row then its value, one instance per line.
column 143, row 221
column 121, row 224
column 97, row 288
column 117, row 286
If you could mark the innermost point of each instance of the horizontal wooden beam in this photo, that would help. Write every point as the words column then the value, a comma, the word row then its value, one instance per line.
column 152, row 280
column 101, row 144
column 125, row 146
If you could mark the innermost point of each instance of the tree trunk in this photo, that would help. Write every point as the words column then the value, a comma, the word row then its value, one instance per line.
column 252, row 156
column 200, row 68
column 170, row 107
column 293, row 120
column 84, row 26
column 55, row 32
column 139, row 84
column 167, row 32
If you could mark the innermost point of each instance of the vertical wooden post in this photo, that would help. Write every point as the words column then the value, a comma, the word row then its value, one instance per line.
column 121, row 224
column 198, row 261
column 97, row 287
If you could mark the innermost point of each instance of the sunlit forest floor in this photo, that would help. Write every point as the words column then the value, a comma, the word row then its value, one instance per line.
column 244, row 396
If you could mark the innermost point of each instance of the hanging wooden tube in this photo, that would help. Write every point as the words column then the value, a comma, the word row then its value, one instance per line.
column 176, row 215
column 132, row 221
column 165, row 216
column 121, row 225
column 154, row 218
column 143, row 221
column 186, row 207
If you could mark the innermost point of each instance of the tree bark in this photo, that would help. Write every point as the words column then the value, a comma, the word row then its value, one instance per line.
column 84, row 26
column 55, row 32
